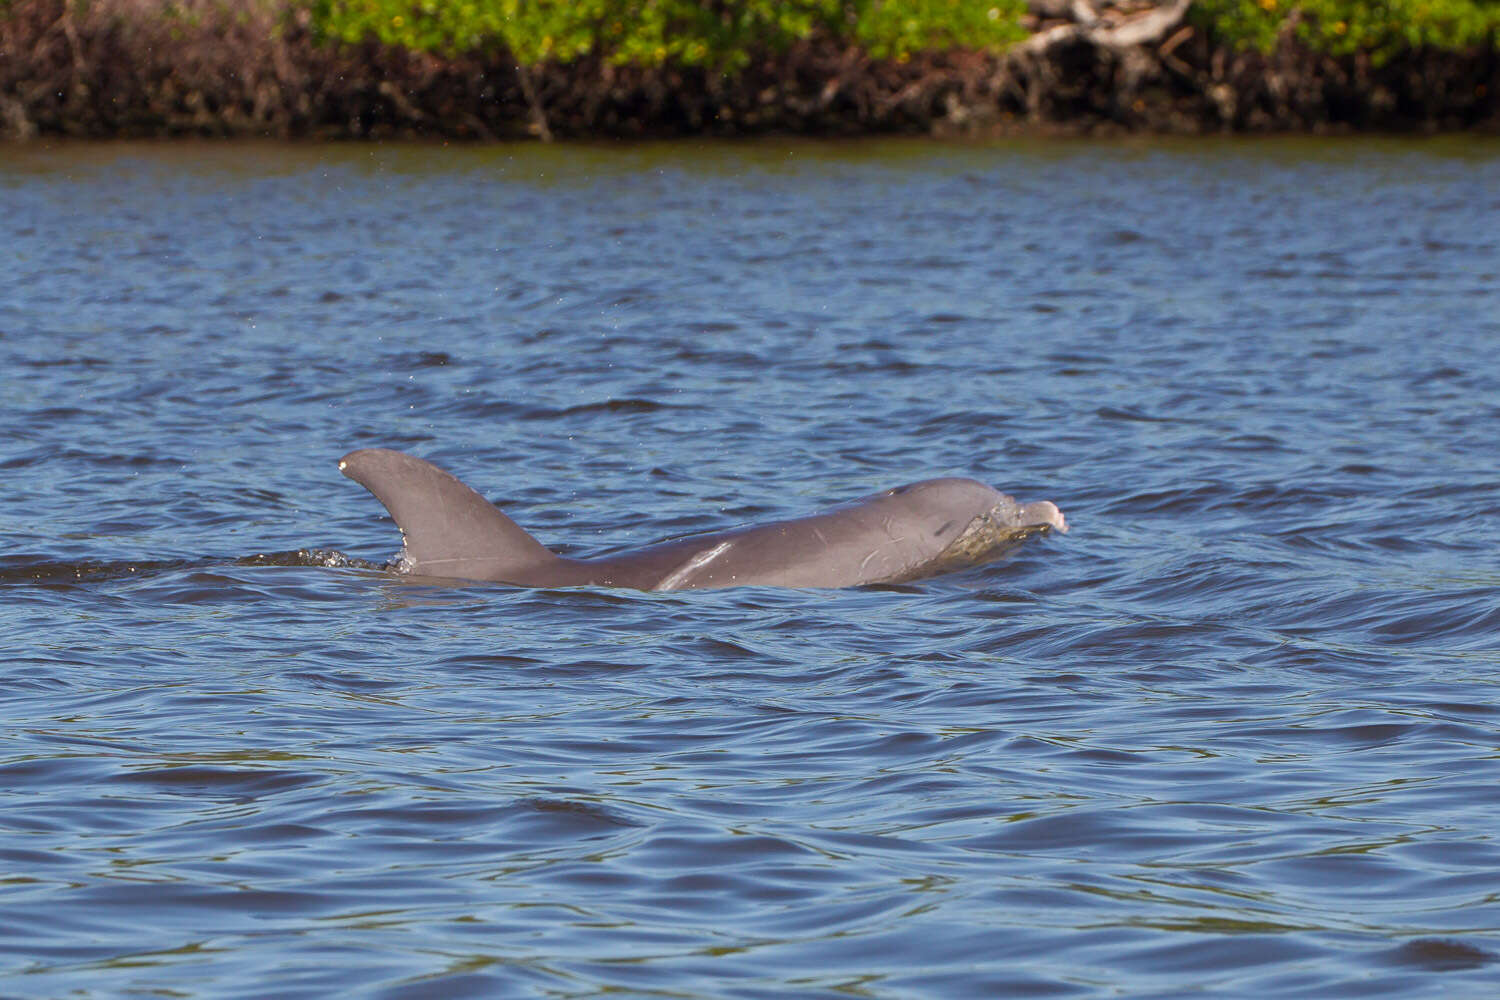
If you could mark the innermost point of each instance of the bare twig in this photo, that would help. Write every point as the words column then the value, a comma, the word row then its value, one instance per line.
column 538, row 113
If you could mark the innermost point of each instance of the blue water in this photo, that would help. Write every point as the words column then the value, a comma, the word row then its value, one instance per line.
column 1236, row 734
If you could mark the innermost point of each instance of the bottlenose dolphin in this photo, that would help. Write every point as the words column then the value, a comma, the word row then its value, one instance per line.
column 911, row 531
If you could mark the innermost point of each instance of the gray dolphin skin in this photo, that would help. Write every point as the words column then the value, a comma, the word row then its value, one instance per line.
column 930, row 527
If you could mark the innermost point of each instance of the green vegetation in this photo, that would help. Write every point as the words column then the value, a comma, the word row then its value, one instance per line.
column 1381, row 28
column 722, row 36
column 725, row 35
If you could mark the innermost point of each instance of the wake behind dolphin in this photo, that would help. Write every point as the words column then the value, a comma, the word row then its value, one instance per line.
column 914, row 531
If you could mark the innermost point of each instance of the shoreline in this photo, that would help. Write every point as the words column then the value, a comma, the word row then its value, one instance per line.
column 1149, row 70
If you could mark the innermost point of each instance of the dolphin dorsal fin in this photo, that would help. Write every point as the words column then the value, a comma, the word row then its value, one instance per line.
column 449, row 529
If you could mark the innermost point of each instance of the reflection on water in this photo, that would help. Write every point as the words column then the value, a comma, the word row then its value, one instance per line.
column 1234, row 733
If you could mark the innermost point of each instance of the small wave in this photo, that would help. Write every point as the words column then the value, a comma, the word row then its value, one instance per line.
column 44, row 455
column 48, row 572
column 78, row 362
column 422, row 359
column 605, row 406
column 1133, row 414
column 236, row 783
column 514, row 411
column 40, row 571
column 326, row 558
column 1438, row 955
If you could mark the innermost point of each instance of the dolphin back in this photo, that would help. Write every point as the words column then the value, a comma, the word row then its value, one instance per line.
column 449, row 530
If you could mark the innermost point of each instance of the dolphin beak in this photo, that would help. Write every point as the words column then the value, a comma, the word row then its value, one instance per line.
column 1046, row 512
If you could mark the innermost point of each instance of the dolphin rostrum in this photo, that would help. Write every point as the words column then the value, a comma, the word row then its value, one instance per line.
column 902, row 534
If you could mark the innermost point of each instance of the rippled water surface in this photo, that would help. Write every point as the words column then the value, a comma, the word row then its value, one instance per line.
column 1235, row 734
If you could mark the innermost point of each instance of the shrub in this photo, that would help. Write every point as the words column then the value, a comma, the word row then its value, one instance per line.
column 722, row 36
column 1381, row 28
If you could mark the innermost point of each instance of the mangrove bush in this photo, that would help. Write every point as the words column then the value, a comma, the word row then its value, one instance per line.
column 722, row 36
column 1379, row 28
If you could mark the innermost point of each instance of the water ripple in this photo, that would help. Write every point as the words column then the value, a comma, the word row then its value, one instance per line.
column 1234, row 734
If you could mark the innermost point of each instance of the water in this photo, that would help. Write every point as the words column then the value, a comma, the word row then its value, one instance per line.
column 1235, row 734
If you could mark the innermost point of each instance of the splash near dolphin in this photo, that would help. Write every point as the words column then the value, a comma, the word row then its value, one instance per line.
column 910, row 532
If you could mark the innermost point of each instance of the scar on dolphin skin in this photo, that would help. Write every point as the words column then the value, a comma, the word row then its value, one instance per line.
column 675, row 579
column 922, row 529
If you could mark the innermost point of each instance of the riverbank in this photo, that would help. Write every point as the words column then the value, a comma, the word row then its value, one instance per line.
column 137, row 68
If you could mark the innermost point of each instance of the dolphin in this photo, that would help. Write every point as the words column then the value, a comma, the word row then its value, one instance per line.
column 914, row 531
